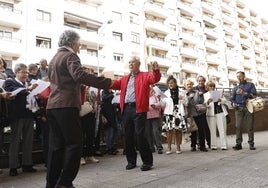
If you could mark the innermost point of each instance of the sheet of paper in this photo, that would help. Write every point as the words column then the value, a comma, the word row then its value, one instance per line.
column 1, row 83
column 15, row 92
column 214, row 95
column 159, row 92
column 42, row 85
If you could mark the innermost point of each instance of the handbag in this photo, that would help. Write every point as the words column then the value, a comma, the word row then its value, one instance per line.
column 228, row 119
column 201, row 108
column 86, row 108
column 191, row 125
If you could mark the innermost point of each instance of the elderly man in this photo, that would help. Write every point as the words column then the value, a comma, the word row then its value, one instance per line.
column 66, row 75
column 134, row 102
column 245, row 90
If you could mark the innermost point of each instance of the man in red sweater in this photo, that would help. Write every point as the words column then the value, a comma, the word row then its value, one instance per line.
column 134, row 102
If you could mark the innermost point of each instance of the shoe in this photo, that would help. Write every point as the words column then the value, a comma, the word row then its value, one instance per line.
column 164, row 134
column 62, row 186
column 251, row 147
column 193, row 149
column 178, row 151
column 98, row 153
column 130, row 166
column 28, row 169
column 92, row 159
column 83, row 161
column 160, row 151
column 237, row 147
column 223, row 148
column 204, row 149
column 145, row 167
column 168, row 152
column 214, row 148
column 13, row 172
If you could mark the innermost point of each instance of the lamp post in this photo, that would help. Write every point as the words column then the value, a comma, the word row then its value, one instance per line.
column 98, row 44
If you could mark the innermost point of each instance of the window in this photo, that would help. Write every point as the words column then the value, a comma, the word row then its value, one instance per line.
column 118, row 58
column 5, row 35
column 43, row 16
column 43, row 42
column 116, row 16
column 6, row 6
column 117, row 36
column 135, row 37
column 134, row 18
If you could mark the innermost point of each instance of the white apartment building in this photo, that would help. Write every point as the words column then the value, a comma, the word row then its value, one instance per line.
column 213, row 38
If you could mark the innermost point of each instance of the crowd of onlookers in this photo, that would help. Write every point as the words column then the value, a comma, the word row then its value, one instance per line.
column 172, row 114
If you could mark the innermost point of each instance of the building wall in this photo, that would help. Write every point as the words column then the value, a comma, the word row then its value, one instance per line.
column 187, row 37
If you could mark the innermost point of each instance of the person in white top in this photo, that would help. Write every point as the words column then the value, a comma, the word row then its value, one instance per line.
column 216, row 112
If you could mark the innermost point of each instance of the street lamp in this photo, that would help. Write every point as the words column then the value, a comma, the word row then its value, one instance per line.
column 98, row 44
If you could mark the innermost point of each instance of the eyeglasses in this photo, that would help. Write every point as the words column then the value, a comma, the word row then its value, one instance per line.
column 23, row 72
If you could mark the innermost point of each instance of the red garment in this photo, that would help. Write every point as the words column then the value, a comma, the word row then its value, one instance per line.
column 45, row 94
column 143, row 80
column 83, row 93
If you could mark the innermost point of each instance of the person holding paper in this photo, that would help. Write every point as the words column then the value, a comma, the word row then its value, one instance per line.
column 216, row 112
column 23, row 121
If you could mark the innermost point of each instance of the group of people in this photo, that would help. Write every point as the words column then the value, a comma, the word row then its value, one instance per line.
column 141, row 108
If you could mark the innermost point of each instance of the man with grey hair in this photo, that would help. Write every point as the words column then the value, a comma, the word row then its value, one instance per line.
column 66, row 75
column 22, row 121
column 134, row 103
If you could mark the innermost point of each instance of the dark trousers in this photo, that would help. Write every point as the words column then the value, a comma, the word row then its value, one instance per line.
column 134, row 124
column 88, row 128
column 201, row 124
column 65, row 146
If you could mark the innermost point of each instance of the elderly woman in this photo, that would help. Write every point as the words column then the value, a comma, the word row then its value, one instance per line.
column 199, row 117
column 216, row 113
column 66, row 75
column 172, row 111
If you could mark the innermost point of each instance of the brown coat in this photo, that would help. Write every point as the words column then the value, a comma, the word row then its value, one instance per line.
column 66, row 75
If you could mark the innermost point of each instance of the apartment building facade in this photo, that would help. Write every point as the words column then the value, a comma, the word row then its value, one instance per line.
column 213, row 38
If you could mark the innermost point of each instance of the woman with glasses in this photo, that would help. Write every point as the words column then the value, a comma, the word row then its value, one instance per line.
column 216, row 113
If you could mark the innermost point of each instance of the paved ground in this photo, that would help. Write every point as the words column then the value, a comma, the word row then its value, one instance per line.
column 213, row 169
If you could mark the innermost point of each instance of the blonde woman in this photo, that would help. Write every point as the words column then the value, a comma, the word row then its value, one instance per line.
column 216, row 119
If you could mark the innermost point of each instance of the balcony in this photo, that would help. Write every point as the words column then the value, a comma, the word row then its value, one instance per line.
column 192, row 67
column 87, row 37
column 189, row 38
column 232, row 77
column 83, row 11
column 214, row 59
column 189, row 52
column 211, row 20
column 157, row 43
column 234, row 64
column 212, row 46
column 186, row 8
column 215, row 72
column 231, row 41
column 187, row 23
column 209, row 8
column 157, row 27
column 248, row 64
column 11, row 47
column 261, row 68
column 242, row 12
column 212, row 32
column 162, row 61
column 228, row 19
column 243, row 23
column 11, row 18
column 156, row 10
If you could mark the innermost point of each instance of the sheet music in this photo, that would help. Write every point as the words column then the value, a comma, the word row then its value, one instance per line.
column 214, row 95
column 42, row 85
column 159, row 92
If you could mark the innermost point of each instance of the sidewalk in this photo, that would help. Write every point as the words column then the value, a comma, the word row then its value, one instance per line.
column 221, row 169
